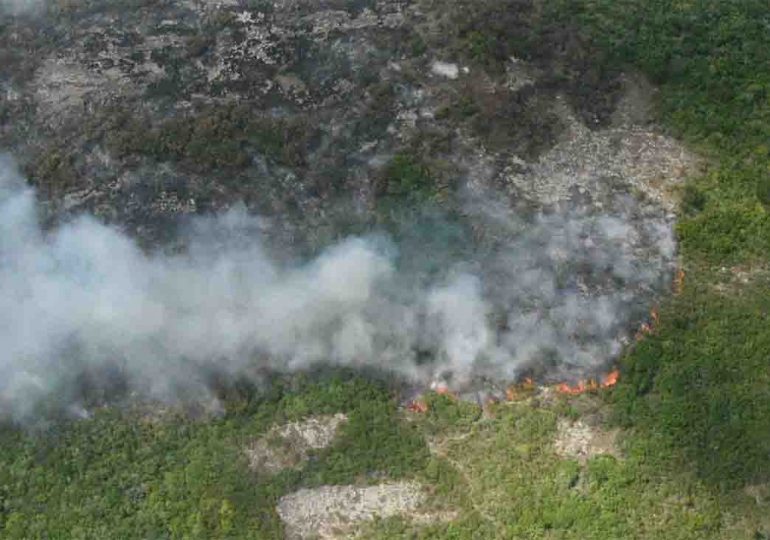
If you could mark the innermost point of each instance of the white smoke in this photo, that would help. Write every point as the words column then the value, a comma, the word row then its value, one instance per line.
column 21, row 7
column 84, row 296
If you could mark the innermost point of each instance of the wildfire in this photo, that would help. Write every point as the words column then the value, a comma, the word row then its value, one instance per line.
column 417, row 406
column 442, row 389
column 590, row 385
column 520, row 391
column 611, row 379
column 648, row 327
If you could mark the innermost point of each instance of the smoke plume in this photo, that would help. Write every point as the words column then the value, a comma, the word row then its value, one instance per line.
column 556, row 292
column 21, row 7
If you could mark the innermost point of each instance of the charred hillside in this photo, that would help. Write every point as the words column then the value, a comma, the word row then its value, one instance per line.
column 523, row 194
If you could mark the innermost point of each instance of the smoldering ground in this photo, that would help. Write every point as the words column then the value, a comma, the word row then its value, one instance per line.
column 554, row 292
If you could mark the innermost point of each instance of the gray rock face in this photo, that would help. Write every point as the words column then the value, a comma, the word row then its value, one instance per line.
column 144, row 111
column 132, row 104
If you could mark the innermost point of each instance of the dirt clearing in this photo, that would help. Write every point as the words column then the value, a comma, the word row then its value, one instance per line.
column 333, row 511
column 288, row 446
column 578, row 440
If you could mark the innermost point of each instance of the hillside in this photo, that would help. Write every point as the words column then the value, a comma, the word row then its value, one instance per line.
column 338, row 257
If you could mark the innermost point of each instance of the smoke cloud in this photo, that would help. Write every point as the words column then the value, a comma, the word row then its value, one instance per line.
column 21, row 7
column 556, row 293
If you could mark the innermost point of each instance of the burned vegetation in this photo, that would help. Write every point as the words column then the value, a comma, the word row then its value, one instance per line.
column 241, row 239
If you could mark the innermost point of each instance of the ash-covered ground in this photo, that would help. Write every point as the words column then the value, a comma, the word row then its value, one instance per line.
column 448, row 190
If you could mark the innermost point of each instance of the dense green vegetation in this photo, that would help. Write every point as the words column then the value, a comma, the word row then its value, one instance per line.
column 702, row 385
column 505, row 480
column 405, row 177
column 143, row 474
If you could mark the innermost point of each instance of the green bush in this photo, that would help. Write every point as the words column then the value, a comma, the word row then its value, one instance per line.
column 128, row 475
column 219, row 138
column 702, row 383
column 709, row 58
column 406, row 177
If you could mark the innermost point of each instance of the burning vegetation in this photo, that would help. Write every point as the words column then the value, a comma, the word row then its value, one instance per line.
column 522, row 391
column 590, row 385
column 554, row 236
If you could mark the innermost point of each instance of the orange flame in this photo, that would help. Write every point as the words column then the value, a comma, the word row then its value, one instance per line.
column 648, row 328
column 590, row 385
column 521, row 390
column 579, row 388
column 442, row 389
column 611, row 379
column 417, row 406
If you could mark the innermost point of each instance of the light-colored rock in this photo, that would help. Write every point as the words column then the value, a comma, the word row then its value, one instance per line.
column 62, row 86
column 333, row 511
column 288, row 445
column 627, row 154
column 445, row 69
column 578, row 440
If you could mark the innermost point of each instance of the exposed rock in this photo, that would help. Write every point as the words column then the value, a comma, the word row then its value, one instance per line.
column 734, row 279
column 299, row 109
column 599, row 163
column 445, row 69
column 578, row 440
column 288, row 445
column 333, row 511
column 356, row 71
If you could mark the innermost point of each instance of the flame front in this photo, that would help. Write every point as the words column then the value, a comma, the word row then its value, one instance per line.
column 590, row 385
column 417, row 406
column 611, row 379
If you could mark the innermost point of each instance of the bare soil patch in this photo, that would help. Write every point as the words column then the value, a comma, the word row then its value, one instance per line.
column 333, row 511
column 288, row 446
column 630, row 153
column 581, row 441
